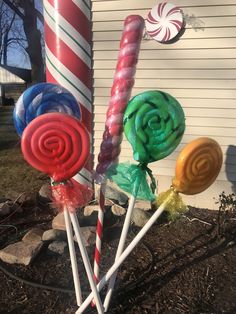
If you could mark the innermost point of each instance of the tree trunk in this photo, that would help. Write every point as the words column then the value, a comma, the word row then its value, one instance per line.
column 29, row 18
column 5, row 44
column 33, row 36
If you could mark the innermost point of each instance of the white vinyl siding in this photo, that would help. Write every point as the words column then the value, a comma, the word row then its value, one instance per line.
column 199, row 70
column 7, row 77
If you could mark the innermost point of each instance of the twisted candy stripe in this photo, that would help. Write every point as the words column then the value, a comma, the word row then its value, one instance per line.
column 56, row 144
column 154, row 124
column 121, row 91
column 197, row 166
column 120, row 95
column 43, row 98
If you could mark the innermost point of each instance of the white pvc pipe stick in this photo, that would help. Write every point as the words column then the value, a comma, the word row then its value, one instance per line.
column 124, row 255
column 119, row 251
column 87, row 265
column 73, row 257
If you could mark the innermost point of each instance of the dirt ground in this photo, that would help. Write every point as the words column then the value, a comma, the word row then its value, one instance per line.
column 186, row 266
column 181, row 267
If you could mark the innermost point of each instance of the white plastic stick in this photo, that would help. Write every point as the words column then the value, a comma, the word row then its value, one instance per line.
column 87, row 265
column 120, row 249
column 73, row 257
column 126, row 252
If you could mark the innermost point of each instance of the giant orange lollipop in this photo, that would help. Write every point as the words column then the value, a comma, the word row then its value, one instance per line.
column 197, row 166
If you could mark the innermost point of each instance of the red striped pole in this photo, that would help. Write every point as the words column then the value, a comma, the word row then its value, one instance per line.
column 68, row 58
column 99, row 232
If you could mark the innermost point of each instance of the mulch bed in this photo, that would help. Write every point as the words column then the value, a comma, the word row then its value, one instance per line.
column 182, row 267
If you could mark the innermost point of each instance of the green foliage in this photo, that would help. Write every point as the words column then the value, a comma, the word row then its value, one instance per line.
column 227, row 211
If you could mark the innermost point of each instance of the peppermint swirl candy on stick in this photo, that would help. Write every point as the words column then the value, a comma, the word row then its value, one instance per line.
column 43, row 98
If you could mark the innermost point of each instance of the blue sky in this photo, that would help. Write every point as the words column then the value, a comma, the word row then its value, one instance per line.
column 16, row 55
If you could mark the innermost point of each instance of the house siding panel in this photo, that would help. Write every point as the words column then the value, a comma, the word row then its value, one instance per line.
column 199, row 70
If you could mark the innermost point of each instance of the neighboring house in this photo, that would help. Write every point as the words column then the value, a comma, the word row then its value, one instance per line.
column 199, row 70
column 13, row 81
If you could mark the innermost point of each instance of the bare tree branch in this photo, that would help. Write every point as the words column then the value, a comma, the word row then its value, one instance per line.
column 11, row 34
column 14, row 8
column 20, row 14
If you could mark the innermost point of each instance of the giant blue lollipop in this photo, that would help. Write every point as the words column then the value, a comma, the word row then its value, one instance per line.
column 43, row 98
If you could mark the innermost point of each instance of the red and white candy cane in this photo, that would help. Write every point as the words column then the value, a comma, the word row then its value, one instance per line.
column 120, row 95
column 68, row 58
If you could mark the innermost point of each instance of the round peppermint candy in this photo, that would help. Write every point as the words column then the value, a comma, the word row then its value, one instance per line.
column 164, row 22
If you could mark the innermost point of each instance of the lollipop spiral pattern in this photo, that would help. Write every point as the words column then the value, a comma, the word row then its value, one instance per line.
column 120, row 92
column 43, row 98
column 164, row 22
column 154, row 124
column 56, row 144
column 197, row 166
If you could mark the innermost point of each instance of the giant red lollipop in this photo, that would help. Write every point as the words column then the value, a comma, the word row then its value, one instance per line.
column 56, row 144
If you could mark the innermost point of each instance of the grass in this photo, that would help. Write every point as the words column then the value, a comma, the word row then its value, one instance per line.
column 16, row 176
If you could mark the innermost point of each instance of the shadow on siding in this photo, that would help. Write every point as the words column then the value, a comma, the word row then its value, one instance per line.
column 230, row 166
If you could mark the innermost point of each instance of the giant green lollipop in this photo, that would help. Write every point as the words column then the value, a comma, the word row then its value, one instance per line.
column 154, row 124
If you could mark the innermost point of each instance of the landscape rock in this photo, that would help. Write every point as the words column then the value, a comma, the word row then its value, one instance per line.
column 20, row 252
column 89, row 235
column 45, row 194
column 58, row 222
column 33, row 235
column 145, row 205
column 108, row 202
column 118, row 210
column 53, row 235
column 5, row 208
column 89, row 209
column 116, row 195
column 140, row 217
column 58, row 247
column 88, row 220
